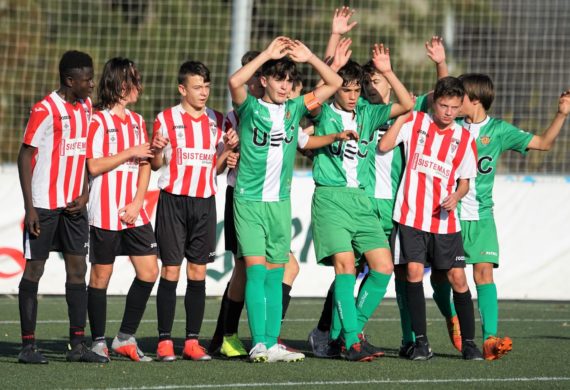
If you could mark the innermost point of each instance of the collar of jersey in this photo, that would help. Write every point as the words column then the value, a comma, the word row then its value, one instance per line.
column 351, row 115
column 193, row 119
column 473, row 126
column 75, row 106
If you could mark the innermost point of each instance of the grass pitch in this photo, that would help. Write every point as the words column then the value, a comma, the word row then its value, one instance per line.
column 540, row 356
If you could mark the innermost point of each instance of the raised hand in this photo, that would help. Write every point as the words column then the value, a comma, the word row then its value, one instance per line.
column 342, row 54
column 347, row 135
column 381, row 58
column 564, row 103
column 341, row 21
column 299, row 52
column 278, row 48
column 435, row 49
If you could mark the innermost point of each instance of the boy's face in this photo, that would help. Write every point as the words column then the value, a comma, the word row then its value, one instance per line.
column 347, row 96
column 81, row 83
column 446, row 109
column 467, row 108
column 277, row 91
column 195, row 91
column 254, row 86
column 377, row 89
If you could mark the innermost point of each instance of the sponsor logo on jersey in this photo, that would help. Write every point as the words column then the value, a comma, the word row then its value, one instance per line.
column 431, row 166
column 485, row 140
column 73, row 147
column 195, row 157
column 111, row 131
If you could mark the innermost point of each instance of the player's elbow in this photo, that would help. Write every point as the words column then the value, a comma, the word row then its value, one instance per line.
column 92, row 168
column 384, row 146
column 233, row 83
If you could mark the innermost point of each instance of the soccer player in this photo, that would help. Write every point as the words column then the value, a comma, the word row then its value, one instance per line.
column 344, row 223
column 269, row 133
column 117, row 159
column 51, row 165
column 441, row 158
column 187, row 140
column 493, row 137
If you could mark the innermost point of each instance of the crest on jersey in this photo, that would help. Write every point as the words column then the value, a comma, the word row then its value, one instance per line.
column 288, row 115
column 454, row 144
column 213, row 128
column 485, row 140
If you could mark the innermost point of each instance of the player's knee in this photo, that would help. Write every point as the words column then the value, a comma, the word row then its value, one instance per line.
column 483, row 275
column 34, row 270
column 196, row 271
column 148, row 274
column 171, row 273
column 458, row 280
column 99, row 278
column 415, row 272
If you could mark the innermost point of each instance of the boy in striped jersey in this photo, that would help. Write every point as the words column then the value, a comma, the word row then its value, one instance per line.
column 344, row 223
column 493, row 137
column 440, row 160
column 269, row 133
column 51, row 164
column 190, row 150
column 117, row 158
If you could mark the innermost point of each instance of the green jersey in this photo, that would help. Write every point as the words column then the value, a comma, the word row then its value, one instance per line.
column 493, row 137
column 269, row 134
column 346, row 163
column 387, row 168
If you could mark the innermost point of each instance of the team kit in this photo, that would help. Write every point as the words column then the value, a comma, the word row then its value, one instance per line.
column 402, row 183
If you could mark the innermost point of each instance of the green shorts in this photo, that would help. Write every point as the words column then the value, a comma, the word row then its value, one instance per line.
column 263, row 229
column 343, row 221
column 383, row 209
column 480, row 241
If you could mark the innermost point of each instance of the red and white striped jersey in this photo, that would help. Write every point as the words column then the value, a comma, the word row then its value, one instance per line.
column 190, row 156
column 435, row 160
column 58, row 130
column 113, row 190
column 231, row 121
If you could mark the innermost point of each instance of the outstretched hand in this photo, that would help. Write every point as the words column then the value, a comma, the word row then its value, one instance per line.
column 564, row 103
column 299, row 52
column 342, row 54
column 341, row 21
column 381, row 58
column 435, row 49
column 278, row 48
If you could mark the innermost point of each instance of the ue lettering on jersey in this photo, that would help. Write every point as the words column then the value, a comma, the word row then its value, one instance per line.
column 58, row 130
column 113, row 190
column 435, row 160
column 191, row 154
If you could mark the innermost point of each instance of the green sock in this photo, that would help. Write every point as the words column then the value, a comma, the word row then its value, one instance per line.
column 443, row 299
column 336, row 325
column 488, row 308
column 255, row 302
column 405, row 320
column 370, row 296
column 344, row 301
column 274, row 305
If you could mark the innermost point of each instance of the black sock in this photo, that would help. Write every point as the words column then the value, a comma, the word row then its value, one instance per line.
column 464, row 308
column 76, row 297
column 219, row 332
column 135, row 305
column 233, row 313
column 97, row 310
column 286, row 298
column 194, row 302
column 417, row 306
column 165, row 307
column 326, row 315
column 28, row 303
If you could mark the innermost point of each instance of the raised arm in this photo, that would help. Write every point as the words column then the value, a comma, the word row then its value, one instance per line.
column 340, row 25
column 278, row 48
column 545, row 141
column 381, row 60
column 436, row 52
column 388, row 140
column 301, row 53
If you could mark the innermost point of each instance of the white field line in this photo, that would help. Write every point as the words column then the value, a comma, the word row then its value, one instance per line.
column 344, row 383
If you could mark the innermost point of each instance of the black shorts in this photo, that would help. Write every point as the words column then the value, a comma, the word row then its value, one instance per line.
column 59, row 232
column 440, row 251
column 229, row 227
column 185, row 227
column 105, row 245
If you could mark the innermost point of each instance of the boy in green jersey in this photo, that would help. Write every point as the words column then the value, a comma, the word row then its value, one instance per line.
column 342, row 218
column 493, row 137
column 269, row 133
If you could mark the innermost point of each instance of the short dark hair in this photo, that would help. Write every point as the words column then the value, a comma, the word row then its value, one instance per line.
column 448, row 87
column 299, row 80
column 368, row 69
column 351, row 73
column 71, row 60
column 280, row 69
column 193, row 68
column 118, row 73
column 479, row 86
column 249, row 56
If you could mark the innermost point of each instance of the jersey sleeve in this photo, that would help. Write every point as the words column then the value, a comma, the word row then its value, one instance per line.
column 38, row 124
column 380, row 114
column 302, row 137
column 95, row 139
column 246, row 105
column 468, row 165
column 514, row 138
column 405, row 133
column 421, row 103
